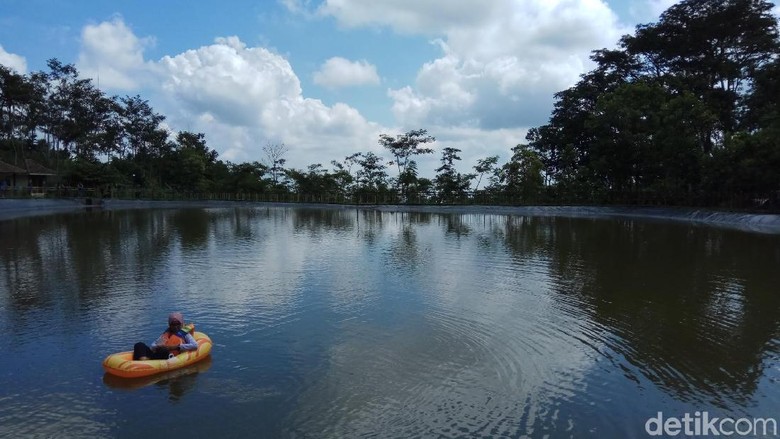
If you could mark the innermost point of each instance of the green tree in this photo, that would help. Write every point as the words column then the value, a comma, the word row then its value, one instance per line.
column 654, row 112
column 19, row 103
column 485, row 166
column 144, row 139
column 449, row 183
column 194, row 163
column 372, row 176
column 246, row 177
column 316, row 180
column 342, row 173
column 403, row 147
column 710, row 48
column 522, row 175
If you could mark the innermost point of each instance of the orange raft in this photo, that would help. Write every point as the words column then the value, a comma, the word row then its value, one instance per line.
column 121, row 364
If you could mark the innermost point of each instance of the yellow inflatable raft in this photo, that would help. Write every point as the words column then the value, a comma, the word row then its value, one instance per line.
column 121, row 364
column 171, row 376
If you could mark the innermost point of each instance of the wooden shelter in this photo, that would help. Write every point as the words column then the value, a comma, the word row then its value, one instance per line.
column 37, row 173
column 32, row 178
column 12, row 175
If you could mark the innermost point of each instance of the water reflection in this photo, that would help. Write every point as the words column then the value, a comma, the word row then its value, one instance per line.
column 346, row 322
column 192, row 227
column 177, row 382
column 691, row 309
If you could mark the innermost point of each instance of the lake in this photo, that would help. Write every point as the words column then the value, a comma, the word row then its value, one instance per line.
column 352, row 323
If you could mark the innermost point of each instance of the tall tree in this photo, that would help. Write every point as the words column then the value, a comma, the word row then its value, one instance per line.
column 144, row 137
column 522, row 175
column 711, row 48
column 192, row 163
column 485, row 166
column 450, row 184
column 246, row 177
column 372, row 176
column 403, row 147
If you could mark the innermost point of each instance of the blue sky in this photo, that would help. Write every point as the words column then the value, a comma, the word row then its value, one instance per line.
column 327, row 77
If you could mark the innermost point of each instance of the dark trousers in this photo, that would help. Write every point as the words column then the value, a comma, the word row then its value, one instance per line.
column 142, row 350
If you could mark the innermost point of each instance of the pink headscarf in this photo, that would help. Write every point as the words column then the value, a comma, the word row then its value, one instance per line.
column 175, row 316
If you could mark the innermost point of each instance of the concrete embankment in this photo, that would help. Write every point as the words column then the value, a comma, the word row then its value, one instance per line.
column 764, row 223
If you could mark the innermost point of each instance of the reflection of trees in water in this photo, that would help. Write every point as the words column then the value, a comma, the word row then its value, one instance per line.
column 78, row 257
column 369, row 223
column 192, row 226
column 315, row 221
column 26, row 243
column 403, row 253
column 454, row 225
column 693, row 309
column 236, row 223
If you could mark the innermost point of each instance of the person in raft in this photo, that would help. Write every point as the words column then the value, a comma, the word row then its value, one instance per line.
column 172, row 342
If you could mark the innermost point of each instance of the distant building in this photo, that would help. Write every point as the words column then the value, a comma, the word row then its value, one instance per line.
column 38, row 174
column 13, row 175
column 33, row 175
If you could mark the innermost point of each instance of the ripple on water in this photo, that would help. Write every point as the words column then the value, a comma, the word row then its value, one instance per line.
column 399, row 326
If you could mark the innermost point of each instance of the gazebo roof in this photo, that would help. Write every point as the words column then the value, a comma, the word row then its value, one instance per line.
column 6, row 168
column 35, row 168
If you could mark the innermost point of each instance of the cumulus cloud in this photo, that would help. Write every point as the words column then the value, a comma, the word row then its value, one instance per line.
column 420, row 17
column 501, row 61
column 252, row 96
column 339, row 72
column 298, row 6
column 112, row 53
column 474, row 143
column 500, row 64
column 13, row 61
column 241, row 97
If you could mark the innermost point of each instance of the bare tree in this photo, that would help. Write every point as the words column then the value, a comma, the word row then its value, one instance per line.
column 274, row 153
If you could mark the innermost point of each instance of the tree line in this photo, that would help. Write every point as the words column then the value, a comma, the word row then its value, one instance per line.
column 682, row 112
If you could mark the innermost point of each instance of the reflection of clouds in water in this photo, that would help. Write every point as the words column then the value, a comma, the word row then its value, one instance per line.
column 447, row 326
column 51, row 414
column 426, row 378
column 265, row 272
column 272, row 257
column 237, row 391
column 485, row 356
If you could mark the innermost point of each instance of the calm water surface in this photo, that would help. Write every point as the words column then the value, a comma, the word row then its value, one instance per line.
column 345, row 323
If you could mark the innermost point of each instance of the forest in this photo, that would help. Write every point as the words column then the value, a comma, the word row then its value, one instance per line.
column 683, row 112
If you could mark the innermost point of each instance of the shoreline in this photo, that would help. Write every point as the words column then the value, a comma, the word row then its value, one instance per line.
column 753, row 222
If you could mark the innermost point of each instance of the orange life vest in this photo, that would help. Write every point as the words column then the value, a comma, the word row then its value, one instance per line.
column 174, row 339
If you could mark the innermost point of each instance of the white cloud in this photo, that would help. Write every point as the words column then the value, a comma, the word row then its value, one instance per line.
column 474, row 143
column 13, row 61
column 502, row 60
column 111, row 53
column 338, row 72
column 420, row 17
column 303, row 7
column 241, row 97
column 245, row 97
column 649, row 11
column 501, row 63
